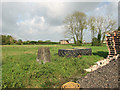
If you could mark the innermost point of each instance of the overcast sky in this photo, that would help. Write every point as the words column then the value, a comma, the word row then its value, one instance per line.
column 44, row 20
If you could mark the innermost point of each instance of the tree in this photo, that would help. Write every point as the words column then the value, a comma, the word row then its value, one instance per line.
column 119, row 28
column 92, row 26
column 14, row 41
column 33, row 42
column 69, row 25
column 7, row 40
column 11, row 40
column 19, row 42
column 104, row 25
column 100, row 26
column 108, row 26
column 26, row 42
column 93, row 29
column 48, row 41
column 75, row 24
column 3, row 39
column 39, row 41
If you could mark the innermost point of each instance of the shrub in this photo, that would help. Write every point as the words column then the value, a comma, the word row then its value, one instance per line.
column 95, row 42
column 79, row 43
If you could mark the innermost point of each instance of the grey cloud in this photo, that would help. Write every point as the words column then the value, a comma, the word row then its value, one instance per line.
column 70, row 7
column 119, row 13
column 0, row 18
column 53, row 14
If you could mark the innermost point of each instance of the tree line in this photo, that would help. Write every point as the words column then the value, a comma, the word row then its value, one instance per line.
column 9, row 40
column 78, row 22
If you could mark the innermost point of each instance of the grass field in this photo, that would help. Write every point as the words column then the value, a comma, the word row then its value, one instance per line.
column 20, row 68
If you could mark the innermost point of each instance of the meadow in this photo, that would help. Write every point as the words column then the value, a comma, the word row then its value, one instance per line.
column 21, row 70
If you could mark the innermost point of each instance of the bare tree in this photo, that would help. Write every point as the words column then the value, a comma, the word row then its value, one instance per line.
column 104, row 25
column 108, row 26
column 100, row 26
column 69, row 25
column 75, row 24
column 92, row 26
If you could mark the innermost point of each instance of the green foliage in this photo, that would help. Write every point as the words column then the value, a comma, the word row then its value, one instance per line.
column 99, row 38
column 7, row 40
column 96, row 42
column 26, row 42
column 21, row 70
column 75, row 24
column 38, row 42
column 33, row 42
column 47, row 41
column 79, row 43
column 119, row 28
column 19, row 42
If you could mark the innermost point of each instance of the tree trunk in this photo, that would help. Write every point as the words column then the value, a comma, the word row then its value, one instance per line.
column 43, row 55
column 81, row 36
column 103, row 38
column 77, row 36
column 99, row 36
column 93, row 33
column 74, row 40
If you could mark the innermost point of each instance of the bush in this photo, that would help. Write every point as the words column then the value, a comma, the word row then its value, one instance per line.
column 79, row 43
column 95, row 42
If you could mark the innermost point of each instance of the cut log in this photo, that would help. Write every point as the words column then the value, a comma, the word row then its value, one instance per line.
column 43, row 55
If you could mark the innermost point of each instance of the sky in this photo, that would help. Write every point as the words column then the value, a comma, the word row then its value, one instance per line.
column 44, row 20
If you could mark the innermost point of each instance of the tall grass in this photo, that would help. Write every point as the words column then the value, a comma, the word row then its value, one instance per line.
column 21, row 70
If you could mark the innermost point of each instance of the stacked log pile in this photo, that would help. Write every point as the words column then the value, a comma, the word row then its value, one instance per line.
column 113, row 43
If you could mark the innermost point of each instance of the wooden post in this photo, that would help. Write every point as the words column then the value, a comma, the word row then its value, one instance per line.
column 43, row 55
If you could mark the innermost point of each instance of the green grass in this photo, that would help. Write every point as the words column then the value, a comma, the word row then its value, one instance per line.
column 21, row 70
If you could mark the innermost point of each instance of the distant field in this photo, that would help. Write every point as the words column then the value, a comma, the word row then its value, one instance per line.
column 20, row 68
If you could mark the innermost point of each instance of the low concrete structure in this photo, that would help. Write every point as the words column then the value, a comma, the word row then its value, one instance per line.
column 75, row 52
column 43, row 55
